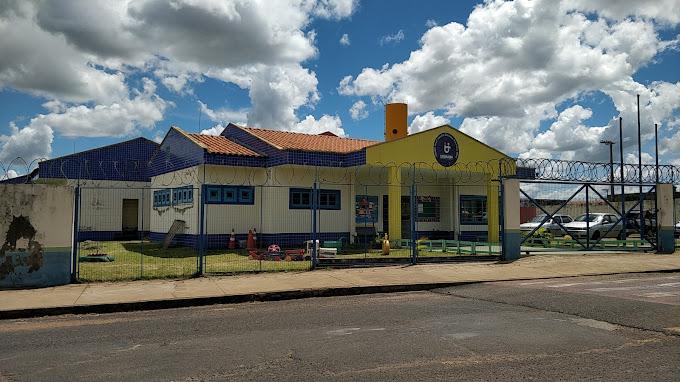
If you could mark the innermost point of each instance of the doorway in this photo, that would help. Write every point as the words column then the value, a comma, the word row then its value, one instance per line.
column 130, row 216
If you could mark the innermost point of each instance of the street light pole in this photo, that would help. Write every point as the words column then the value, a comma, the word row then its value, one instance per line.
column 611, row 165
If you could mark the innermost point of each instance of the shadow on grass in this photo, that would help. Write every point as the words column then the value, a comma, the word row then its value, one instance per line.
column 156, row 250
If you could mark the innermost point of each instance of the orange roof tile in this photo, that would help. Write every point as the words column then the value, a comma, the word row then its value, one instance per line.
column 286, row 140
column 220, row 145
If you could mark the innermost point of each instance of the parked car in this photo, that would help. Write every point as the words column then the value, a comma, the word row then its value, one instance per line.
column 677, row 229
column 597, row 225
column 550, row 225
column 633, row 222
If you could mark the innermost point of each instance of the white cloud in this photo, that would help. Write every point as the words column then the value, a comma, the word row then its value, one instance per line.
column 29, row 143
column 662, row 10
column 358, row 110
column 344, row 40
column 632, row 158
column 335, row 9
column 82, row 54
column 426, row 121
column 277, row 92
column 215, row 130
column 224, row 115
column 430, row 23
column 9, row 174
column 513, row 63
column 158, row 137
column 311, row 125
column 392, row 38
column 116, row 119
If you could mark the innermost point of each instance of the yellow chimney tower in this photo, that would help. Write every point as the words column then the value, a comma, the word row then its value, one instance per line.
column 395, row 121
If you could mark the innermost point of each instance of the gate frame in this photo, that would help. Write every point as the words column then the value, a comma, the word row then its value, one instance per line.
column 589, row 186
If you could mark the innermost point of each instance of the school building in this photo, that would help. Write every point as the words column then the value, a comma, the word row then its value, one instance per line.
column 252, row 178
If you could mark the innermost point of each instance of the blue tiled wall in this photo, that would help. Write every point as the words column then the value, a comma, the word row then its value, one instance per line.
column 177, row 152
column 121, row 161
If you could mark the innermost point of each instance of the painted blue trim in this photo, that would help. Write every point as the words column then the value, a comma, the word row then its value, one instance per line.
column 161, row 198
column 666, row 242
column 243, row 195
column 511, row 246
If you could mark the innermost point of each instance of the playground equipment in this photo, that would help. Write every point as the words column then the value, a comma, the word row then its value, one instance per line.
column 320, row 251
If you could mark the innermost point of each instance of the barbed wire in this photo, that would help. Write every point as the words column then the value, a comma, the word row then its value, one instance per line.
column 180, row 172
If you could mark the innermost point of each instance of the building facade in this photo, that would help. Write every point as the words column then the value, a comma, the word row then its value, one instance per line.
column 263, row 180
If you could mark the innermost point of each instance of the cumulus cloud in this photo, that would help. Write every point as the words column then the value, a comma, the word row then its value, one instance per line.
column 513, row 63
column 426, row 121
column 392, row 38
column 344, row 40
column 358, row 110
column 215, row 130
column 662, row 10
column 430, row 23
column 121, row 118
column 29, row 143
column 82, row 55
column 224, row 115
column 8, row 174
column 311, row 125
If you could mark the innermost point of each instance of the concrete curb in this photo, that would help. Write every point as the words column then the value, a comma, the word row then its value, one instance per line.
column 265, row 296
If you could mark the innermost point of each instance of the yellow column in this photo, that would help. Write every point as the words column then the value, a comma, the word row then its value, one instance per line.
column 394, row 201
column 492, row 195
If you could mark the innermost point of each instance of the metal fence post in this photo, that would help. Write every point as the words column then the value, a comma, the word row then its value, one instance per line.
column 314, row 227
column 76, row 224
column 414, row 211
column 201, row 234
column 587, row 217
column 141, row 240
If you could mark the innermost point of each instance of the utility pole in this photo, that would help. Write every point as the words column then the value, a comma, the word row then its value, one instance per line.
column 611, row 165
column 642, row 212
column 623, row 188
column 656, row 150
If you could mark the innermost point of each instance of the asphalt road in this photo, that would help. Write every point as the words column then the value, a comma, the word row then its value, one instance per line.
column 563, row 329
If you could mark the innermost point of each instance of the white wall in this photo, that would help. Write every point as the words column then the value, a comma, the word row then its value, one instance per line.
column 161, row 218
column 101, row 208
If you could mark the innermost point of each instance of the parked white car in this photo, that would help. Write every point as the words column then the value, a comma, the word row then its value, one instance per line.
column 550, row 225
column 597, row 224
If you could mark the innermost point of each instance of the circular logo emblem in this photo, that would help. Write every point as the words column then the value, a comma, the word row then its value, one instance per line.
column 446, row 150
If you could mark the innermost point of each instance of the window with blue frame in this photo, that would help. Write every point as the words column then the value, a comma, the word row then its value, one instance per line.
column 473, row 210
column 161, row 198
column 182, row 195
column 230, row 195
column 301, row 199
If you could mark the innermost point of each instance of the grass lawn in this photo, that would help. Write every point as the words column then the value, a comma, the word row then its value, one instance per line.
column 146, row 260
column 136, row 260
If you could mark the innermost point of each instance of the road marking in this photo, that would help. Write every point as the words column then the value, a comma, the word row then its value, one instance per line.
column 343, row 332
column 659, row 294
column 669, row 285
column 460, row 336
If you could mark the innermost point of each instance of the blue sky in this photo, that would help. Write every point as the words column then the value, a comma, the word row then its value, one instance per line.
column 530, row 78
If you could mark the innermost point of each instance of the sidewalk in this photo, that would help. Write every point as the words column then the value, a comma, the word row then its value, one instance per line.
column 156, row 294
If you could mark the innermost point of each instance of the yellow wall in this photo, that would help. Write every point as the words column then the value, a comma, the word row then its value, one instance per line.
column 419, row 149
